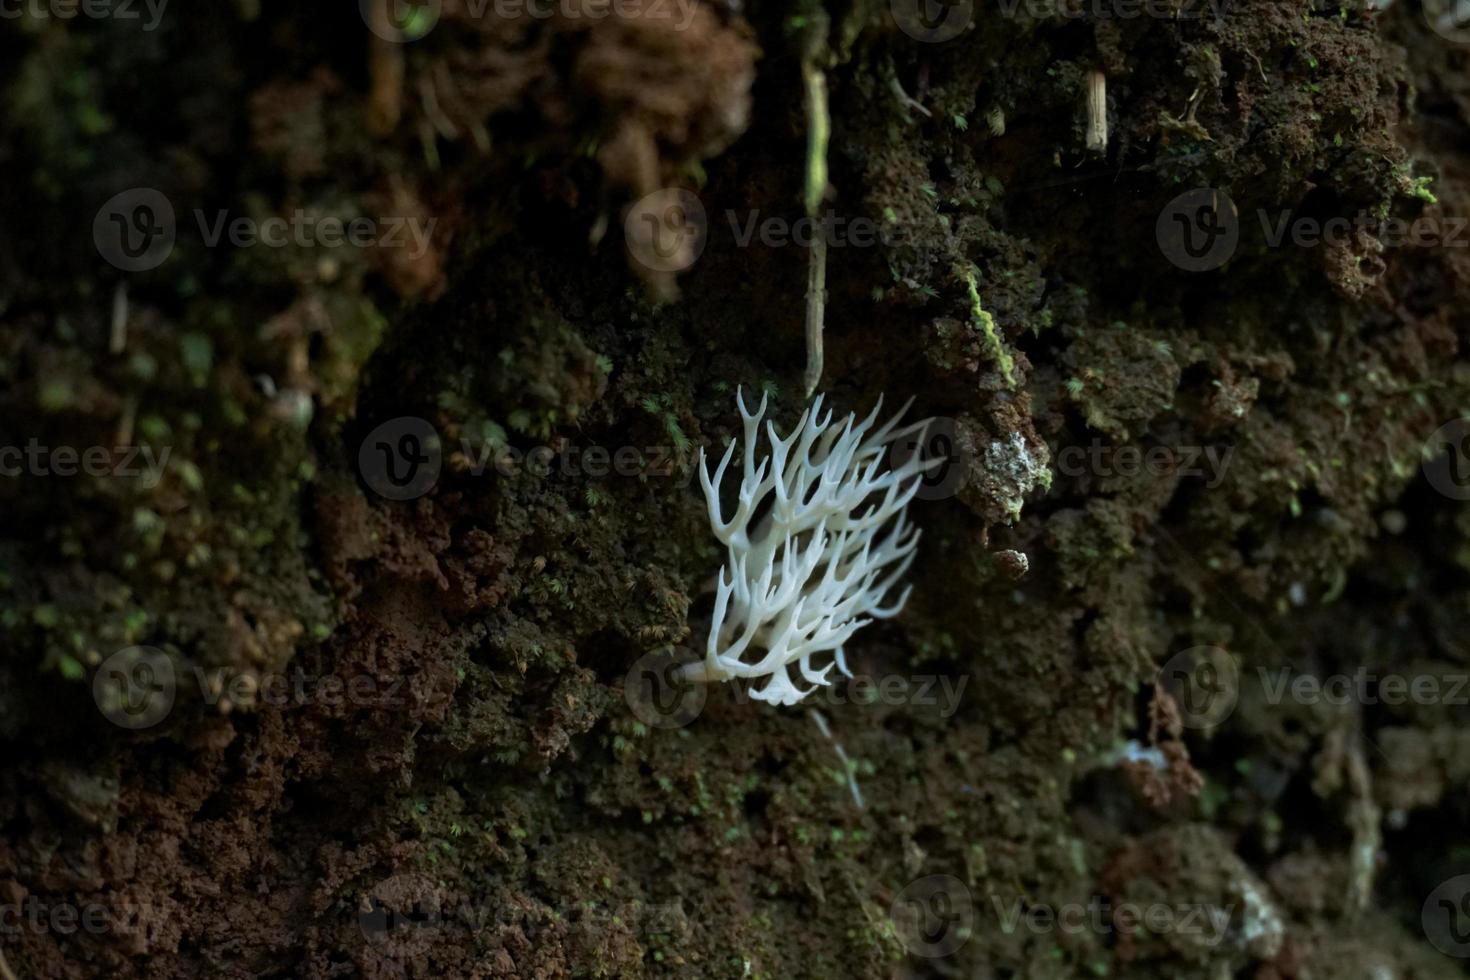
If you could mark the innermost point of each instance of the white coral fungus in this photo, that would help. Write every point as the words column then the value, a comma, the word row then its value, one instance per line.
column 831, row 539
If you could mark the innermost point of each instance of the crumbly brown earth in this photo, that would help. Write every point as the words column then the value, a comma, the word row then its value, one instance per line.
column 484, row 802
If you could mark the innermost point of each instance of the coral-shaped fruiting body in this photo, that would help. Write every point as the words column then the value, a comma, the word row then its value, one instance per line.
column 829, row 541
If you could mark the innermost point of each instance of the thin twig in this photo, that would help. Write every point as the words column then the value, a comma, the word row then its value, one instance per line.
column 852, row 785
column 385, row 72
column 816, row 303
column 5, row 973
column 117, row 340
column 1097, row 112
column 818, row 129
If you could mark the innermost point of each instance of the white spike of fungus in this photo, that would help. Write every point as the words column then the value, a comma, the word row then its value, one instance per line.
column 832, row 538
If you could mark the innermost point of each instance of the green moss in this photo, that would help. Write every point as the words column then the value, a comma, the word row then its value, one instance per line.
column 983, row 322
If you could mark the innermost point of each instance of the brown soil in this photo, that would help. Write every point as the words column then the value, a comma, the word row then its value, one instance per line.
column 481, row 800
